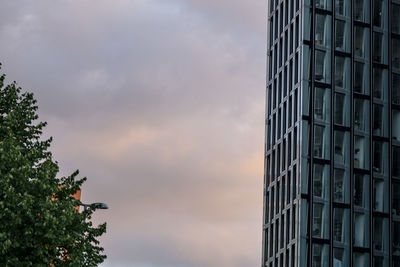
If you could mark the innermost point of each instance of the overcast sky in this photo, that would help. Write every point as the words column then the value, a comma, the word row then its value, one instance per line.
column 160, row 103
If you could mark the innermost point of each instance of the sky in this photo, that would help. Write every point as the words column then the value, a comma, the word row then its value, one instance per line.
column 160, row 104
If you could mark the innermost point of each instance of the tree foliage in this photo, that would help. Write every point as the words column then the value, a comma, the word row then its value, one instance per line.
column 39, row 225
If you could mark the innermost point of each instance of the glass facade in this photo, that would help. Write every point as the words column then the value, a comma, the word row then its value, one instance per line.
column 332, row 134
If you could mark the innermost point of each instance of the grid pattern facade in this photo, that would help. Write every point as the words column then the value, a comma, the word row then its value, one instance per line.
column 332, row 147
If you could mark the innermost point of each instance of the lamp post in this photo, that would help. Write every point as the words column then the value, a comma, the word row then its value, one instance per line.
column 97, row 205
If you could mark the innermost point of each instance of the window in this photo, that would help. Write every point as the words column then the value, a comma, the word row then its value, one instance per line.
column 381, row 261
column 361, row 115
column 279, row 127
column 338, row 224
column 341, row 257
column 380, row 231
column 271, row 241
column 272, row 203
column 396, row 161
column 282, row 239
column 278, row 193
column 361, row 259
column 396, row 199
column 380, row 11
column 396, row 88
column 342, row 7
column 361, row 152
column 361, row 10
column 320, row 255
column 396, row 54
column 277, row 225
column 267, row 208
column 288, row 218
column 342, row 114
column 322, row 104
column 380, row 48
column 323, row 30
column 341, row 186
column 361, row 191
column 361, row 42
column 378, row 157
column 294, row 223
column 342, row 144
column 294, row 183
column 322, row 66
column 342, row 32
column 283, row 192
column 396, row 121
column 361, row 78
column 380, row 80
column 395, row 18
column 321, row 181
column 380, row 195
column 342, row 72
column 381, row 123
column 307, row 24
column 396, row 238
column 321, row 221
column 323, row 4
column 361, row 223
column 321, row 142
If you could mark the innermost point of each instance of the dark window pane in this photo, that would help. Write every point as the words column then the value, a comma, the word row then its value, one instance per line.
column 361, row 191
column 396, row 54
column 396, row 161
column 320, row 255
column 396, row 89
column 395, row 18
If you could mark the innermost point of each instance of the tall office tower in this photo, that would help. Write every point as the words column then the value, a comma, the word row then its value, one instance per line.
column 332, row 147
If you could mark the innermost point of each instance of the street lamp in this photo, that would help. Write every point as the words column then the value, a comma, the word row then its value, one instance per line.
column 97, row 205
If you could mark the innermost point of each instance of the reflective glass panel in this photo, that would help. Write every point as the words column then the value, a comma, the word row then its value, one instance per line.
column 342, row 114
column 342, row 32
column 323, row 30
column 380, row 50
column 395, row 18
column 361, row 152
column 322, row 66
column 361, row 236
column 361, row 260
column 341, row 257
column 320, row 227
column 320, row 255
column 342, row 7
column 396, row 54
column 361, row 42
column 380, row 234
column 396, row 238
column 361, row 191
column 341, row 223
column 361, row 78
column 342, row 72
column 321, row 141
column 322, row 104
column 396, row 199
column 323, row 4
column 321, row 181
column 361, row 10
column 396, row 89
column 341, row 189
column 342, row 145
column 361, row 115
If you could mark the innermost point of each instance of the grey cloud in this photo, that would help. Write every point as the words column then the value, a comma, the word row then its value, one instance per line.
column 160, row 104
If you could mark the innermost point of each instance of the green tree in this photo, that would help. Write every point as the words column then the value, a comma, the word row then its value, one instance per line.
column 39, row 225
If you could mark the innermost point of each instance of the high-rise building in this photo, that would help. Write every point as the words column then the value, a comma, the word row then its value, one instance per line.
column 332, row 147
